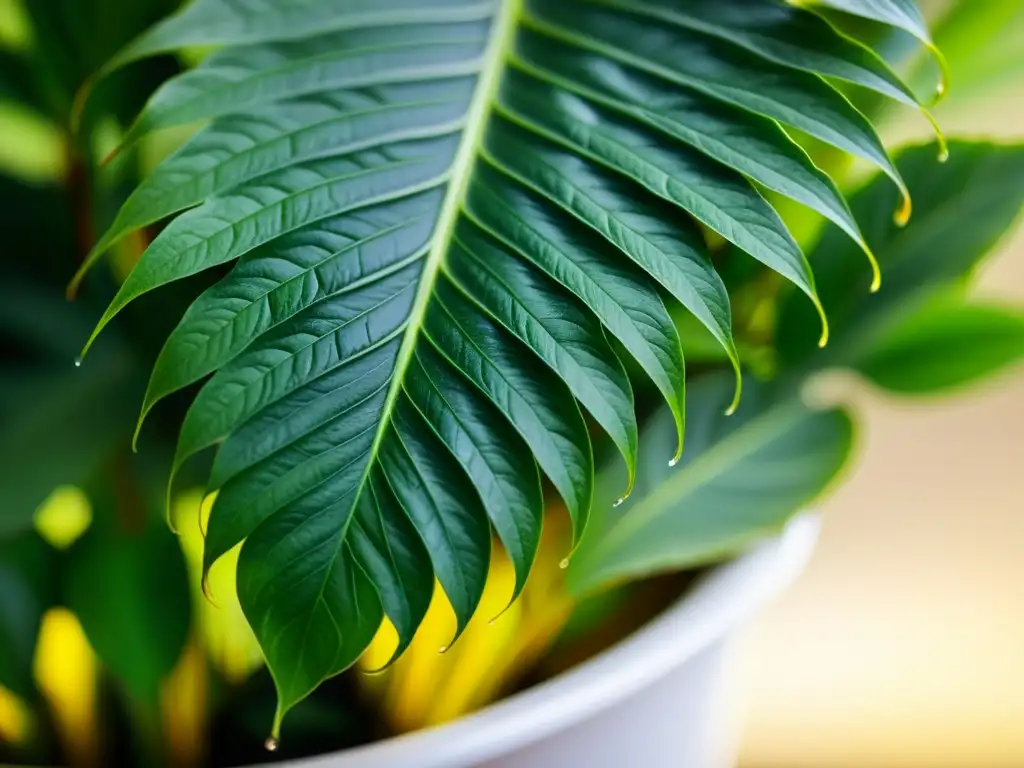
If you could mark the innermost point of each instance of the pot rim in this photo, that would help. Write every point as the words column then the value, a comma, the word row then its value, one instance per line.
column 729, row 596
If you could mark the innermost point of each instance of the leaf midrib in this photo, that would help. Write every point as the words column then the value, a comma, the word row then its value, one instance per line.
column 501, row 37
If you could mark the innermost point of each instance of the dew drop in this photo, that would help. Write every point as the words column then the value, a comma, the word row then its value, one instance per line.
column 944, row 154
column 673, row 462
column 270, row 744
column 564, row 564
column 78, row 362
column 618, row 501
column 442, row 649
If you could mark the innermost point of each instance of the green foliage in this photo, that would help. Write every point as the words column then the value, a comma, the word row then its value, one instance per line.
column 745, row 476
column 436, row 212
column 962, row 208
column 28, row 586
column 125, row 580
column 946, row 344
column 741, row 479
column 981, row 42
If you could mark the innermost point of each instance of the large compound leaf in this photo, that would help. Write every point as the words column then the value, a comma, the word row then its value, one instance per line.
column 443, row 214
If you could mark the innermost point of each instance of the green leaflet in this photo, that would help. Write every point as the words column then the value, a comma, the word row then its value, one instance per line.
column 964, row 206
column 784, row 34
column 753, row 145
column 902, row 14
column 693, row 60
column 215, row 22
column 439, row 214
column 742, row 478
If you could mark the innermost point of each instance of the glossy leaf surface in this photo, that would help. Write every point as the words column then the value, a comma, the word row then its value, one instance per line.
column 442, row 215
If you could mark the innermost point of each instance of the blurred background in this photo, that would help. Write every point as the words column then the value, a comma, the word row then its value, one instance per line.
column 903, row 644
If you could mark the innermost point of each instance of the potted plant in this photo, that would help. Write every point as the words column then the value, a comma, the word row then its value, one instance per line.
column 424, row 269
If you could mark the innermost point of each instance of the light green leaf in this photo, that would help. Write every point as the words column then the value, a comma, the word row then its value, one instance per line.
column 945, row 345
column 742, row 478
column 439, row 214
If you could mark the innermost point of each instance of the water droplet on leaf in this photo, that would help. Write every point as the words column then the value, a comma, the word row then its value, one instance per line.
column 673, row 462
column 78, row 362
column 564, row 564
column 442, row 649
column 270, row 744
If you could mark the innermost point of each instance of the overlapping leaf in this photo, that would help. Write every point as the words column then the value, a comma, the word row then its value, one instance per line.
column 742, row 479
column 442, row 212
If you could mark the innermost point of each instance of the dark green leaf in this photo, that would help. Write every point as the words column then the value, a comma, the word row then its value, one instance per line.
column 781, row 33
column 28, row 587
column 58, row 425
column 448, row 219
column 127, row 583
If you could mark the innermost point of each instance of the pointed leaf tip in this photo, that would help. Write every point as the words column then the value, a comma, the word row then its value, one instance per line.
column 737, row 392
column 823, row 341
column 903, row 213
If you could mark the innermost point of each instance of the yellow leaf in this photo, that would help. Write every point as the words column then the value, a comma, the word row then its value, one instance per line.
column 66, row 672
column 15, row 719
column 183, row 702
column 64, row 516
column 223, row 630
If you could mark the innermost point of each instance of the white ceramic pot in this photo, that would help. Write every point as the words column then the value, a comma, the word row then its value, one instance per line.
column 662, row 697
